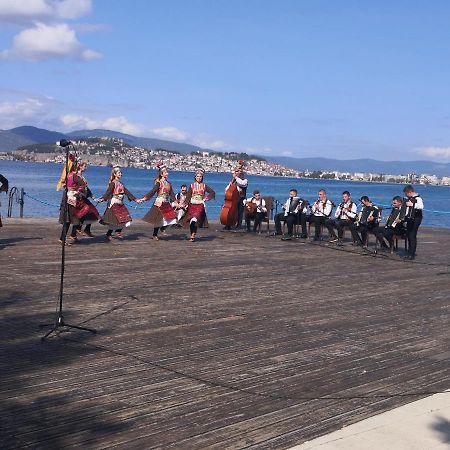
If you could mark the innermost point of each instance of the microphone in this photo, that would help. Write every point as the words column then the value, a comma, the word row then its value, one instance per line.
column 64, row 143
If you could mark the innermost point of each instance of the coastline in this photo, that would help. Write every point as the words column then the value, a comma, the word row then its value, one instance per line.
column 268, row 175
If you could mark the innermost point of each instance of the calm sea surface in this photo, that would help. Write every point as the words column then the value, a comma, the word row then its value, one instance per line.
column 39, row 181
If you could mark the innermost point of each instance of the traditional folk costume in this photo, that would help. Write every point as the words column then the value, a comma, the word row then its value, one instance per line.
column 395, row 225
column 198, row 193
column 88, row 212
column 294, row 211
column 3, row 188
column 255, row 209
column 345, row 217
column 367, row 220
column 161, row 214
column 321, row 211
column 180, row 205
column 73, row 209
column 116, row 215
column 413, row 216
column 241, row 185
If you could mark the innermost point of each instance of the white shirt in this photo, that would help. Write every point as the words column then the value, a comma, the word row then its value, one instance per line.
column 261, row 203
column 322, row 208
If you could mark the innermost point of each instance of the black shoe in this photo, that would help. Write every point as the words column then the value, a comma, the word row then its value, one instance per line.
column 316, row 239
column 333, row 239
column 276, row 234
column 286, row 238
column 304, row 236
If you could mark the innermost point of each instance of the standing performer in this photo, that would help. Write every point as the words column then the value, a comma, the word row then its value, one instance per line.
column 90, row 213
column 3, row 188
column 232, row 211
column 198, row 194
column 161, row 214
column 74, row 211
column 116, row 215
column 414, row 215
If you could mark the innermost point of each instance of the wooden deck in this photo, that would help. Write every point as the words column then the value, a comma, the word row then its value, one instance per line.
column 235, row 341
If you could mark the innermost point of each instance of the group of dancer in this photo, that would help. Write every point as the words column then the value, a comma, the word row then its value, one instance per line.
column 79, row 207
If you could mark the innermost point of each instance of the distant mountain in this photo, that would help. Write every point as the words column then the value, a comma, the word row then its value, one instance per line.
column 150, row 143
column 363, row 165
column 26, row 135
column 21, row 136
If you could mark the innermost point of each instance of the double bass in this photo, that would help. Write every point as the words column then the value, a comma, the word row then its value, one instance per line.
column 229, row 213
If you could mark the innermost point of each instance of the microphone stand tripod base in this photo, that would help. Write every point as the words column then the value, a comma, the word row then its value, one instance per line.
column 61, row 324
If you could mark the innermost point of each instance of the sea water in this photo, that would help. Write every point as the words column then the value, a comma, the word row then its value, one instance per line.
column 42, row 200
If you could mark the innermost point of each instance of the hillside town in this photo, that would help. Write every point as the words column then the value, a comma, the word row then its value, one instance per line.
column 106, row 151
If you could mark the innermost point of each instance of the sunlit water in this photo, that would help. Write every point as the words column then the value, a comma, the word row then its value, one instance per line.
column 39, row 181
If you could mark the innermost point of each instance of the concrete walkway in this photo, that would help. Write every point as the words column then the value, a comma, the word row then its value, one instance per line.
column 421, row 425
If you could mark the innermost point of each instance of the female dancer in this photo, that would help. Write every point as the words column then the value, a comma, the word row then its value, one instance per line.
column 116, row 215
column 70, row 210
column 90, row 214
column 161, row 214
column 197, row 195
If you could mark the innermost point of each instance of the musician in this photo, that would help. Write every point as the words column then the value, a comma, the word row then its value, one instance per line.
column 241, row 184
column 180, row 204
column 290, row 215
column 3, row 188
column 394, row 224
column 321, row 211
column 414, row 214
column 367, row 220
column 345, row 217
column 255, row 209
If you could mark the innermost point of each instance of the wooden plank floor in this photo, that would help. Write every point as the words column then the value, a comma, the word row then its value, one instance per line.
column 235, row 341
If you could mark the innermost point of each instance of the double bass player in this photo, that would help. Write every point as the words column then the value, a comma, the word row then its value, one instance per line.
column 232, row 212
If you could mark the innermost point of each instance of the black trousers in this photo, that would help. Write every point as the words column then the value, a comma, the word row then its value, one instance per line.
column 339, row 224
column 319, row 222
column 363, row 230
column 257, row 217
column 290, row 220
column 241, row 208
column 412, row 227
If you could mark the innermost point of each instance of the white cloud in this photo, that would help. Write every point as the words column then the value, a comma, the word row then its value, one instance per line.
column 44, row 34
column 118, row 123
column 28, row 11
column 203, row 140
column 72, row 9
column 436, row 152
column 25, row 111
column 170, row 133
column 44, row 42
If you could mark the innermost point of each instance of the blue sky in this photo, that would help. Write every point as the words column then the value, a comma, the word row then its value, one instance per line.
column 340, row 79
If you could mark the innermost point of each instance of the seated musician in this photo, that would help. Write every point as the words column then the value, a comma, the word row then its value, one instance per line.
column 394, row 224
column 290, row 215
column 255, row 209
column 414, row 214
column 321, row 211
column 367, row 220
column 345, row 218
column 179, row 204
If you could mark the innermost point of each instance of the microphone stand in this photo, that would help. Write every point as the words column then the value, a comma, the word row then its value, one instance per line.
column 59, row 320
